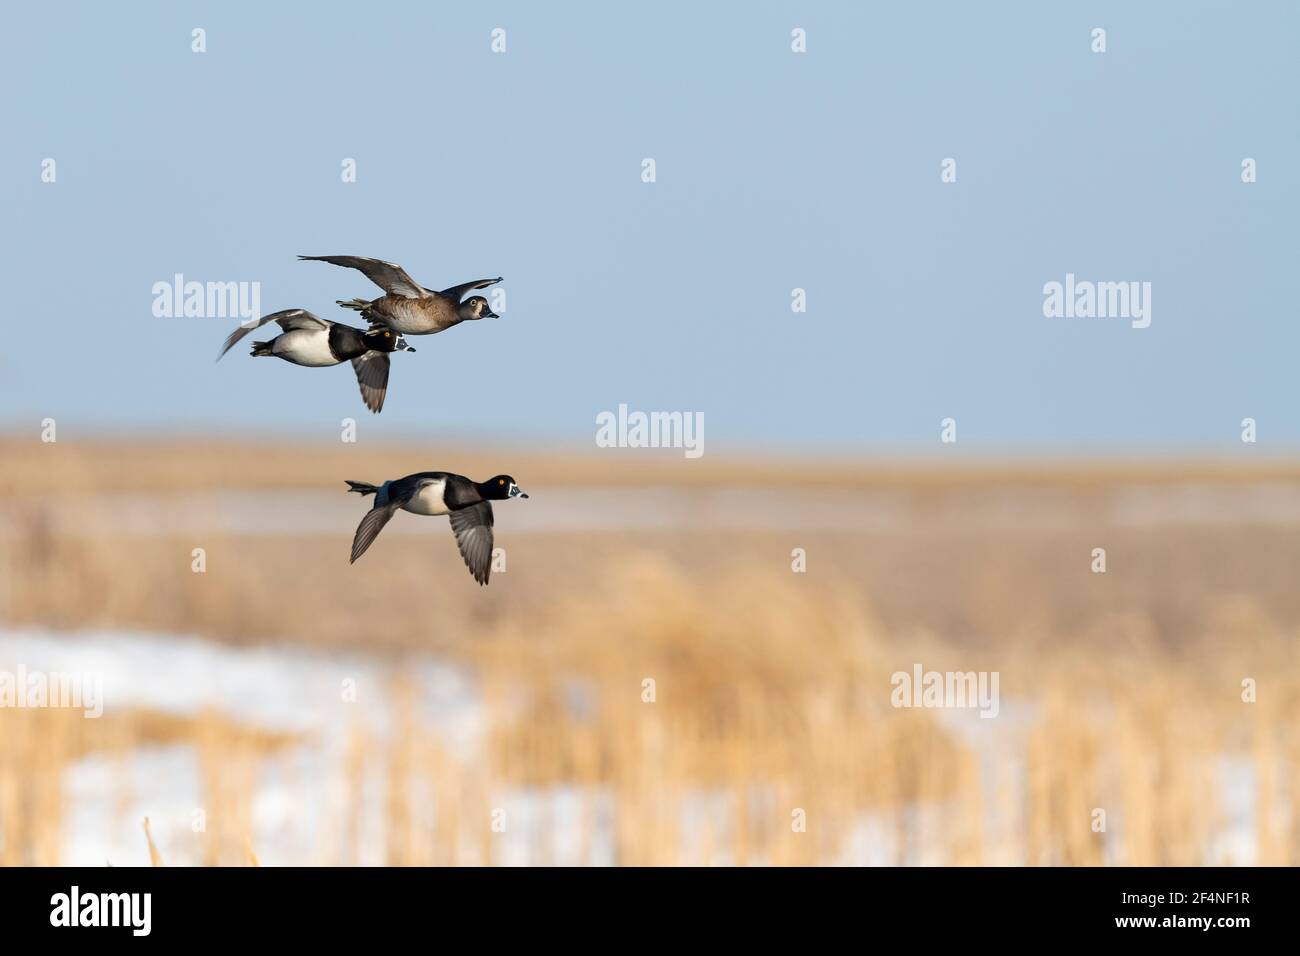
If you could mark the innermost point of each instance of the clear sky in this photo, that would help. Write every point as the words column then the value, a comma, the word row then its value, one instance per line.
column 775, row 170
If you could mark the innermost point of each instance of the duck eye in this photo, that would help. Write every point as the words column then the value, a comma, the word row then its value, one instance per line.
column 388, row 335
column 501, row 481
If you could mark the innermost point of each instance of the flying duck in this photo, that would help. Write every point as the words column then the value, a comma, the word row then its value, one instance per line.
column 315, row 343
column 439, row 493
column 409, row 307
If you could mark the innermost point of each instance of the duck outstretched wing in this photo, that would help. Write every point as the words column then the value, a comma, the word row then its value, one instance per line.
column 287, row 319
column 473, row 528
column 369, row 528
column 372, row 375
column 389, row 276
column 457, row 291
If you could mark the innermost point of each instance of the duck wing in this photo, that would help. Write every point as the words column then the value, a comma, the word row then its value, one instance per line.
column 287, row 319
column 473, row 528
column 370, row 526
column 456, row 291
column 372, row 376
column 388, row 276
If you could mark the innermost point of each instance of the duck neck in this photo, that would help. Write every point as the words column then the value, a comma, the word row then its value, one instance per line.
column 488, row 490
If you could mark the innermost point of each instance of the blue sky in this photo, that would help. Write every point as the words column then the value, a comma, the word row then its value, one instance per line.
column 774, row 171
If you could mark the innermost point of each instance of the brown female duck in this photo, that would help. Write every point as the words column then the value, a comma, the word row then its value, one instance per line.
column 409, row 307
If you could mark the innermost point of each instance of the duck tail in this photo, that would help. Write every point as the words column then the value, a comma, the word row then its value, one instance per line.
column 358, row 305
column 261, row 348
column 362, row 487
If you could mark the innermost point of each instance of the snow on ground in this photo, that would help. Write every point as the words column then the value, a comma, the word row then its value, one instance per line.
column 270, row 688
column 300, row 795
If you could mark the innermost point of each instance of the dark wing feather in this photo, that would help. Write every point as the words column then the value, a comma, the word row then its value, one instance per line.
column 288, row 319
column 372, row 376
column 456, row 291
column 369, row 529
column 473, row 527
column 388, row 276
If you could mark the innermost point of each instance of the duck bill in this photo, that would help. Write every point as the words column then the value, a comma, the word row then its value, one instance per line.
column 517, row 492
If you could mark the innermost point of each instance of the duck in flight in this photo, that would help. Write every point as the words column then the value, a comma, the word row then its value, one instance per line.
column 407, row 306
column 469, row 503
column 314, row 342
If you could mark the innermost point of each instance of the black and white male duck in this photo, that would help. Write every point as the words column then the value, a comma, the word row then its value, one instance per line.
column 314, row 342
column 469, row 503
column 409, row 307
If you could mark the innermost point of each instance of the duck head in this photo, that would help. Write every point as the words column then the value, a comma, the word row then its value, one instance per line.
column 500, row 488
column 476, row 307
column 385, row 340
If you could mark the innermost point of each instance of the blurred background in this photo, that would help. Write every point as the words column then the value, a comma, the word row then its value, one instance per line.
column 284, row 707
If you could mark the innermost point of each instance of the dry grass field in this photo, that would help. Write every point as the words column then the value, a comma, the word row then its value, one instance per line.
column 770, row 738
